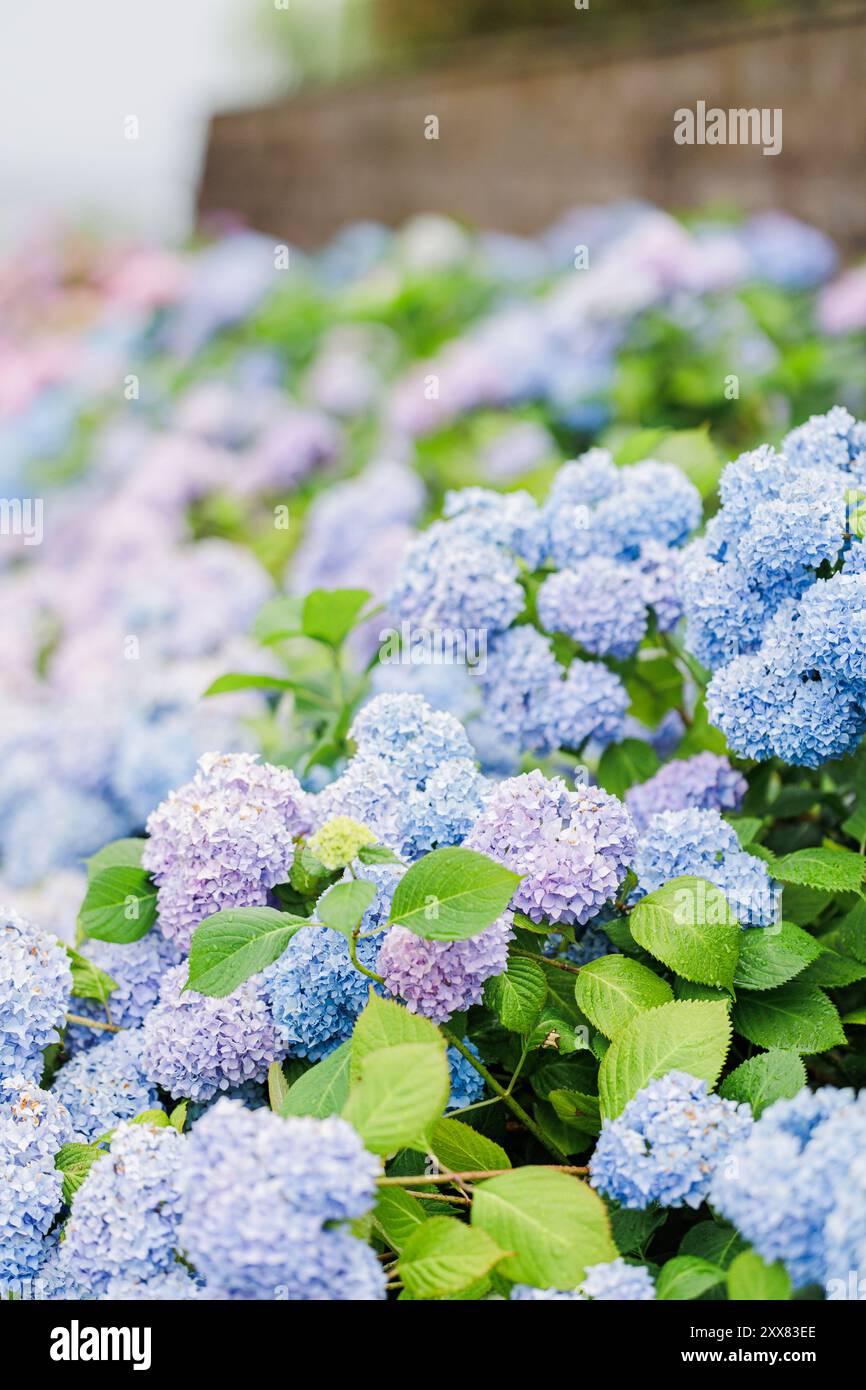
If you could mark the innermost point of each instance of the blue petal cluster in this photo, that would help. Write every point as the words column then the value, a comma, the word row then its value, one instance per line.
column 705, row 782
column 137, row 969
column 795, row 1189
column 450, row 580
column 33, row 1128
column 572, row 848
column 260, row 1195
column 125, row 1214
column 467, row 1086
column 616, row 1281
column 35, row 985
column 667, row 1144
column 774, row 596
column 703, row 845
column 194, row 1046
column 599, row 603
column 105, row 1085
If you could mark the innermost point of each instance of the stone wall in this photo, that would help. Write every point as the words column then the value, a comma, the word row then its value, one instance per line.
column 527, row 129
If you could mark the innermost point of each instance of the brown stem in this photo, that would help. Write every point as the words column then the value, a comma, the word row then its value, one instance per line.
column 474, row 1176
column 93, row 1023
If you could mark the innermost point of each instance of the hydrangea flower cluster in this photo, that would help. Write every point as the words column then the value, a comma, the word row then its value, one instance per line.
column 440, row 978
column 413, row 780
column 125, row 1214
column 223, row 840
column 572, row 848
column 105, row 1085
column 667, row 1144
column 775, row 600
column 314, row 991
column 612, row 535
column 797, row 1187
column 35, row 985
column 194, row 1046
column 704, row 782
column 264, row 1202
column 703, row 845
column 467, row 1085
column 336, row 843
column 34, row 1126
column 615, row 1281
column 137, row 969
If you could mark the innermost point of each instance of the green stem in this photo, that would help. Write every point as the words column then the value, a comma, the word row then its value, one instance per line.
column 93, row 1023
column 353, row 952
column 515, row 1108
column 474, row 1175
column 548, row 960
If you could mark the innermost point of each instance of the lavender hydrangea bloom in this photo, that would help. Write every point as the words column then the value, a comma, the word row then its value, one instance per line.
column 667, row 1143
column 137, row 969
column 515, row 680
column 792, row 1184
column 509, row 519
column 223, row 840
column 403, row 729
column 194, row 1046
column 440, row 978
column 314, row 991
column 527, row 1293
column 705, row 782
column 572, row 848
column 125, row 1215
column 257, row 1192
column 703, row 845
column 35, row 985
column 104, row 1085
column 33, row 1128
column 449, row 579
column 589, row 705
column 598, row 603
column 172, row 1285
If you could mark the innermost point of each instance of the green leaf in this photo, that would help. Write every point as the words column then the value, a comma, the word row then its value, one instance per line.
column 397, row 1216
column 246, row 680
column 687, row 924
column 695, row 453
column 633, row 1230
column 177, row 1118
column 233, row 945
column 855, row 825
column 402, row 1091
column 462, row 1149
column 329, row 615
column 278, row 619
column 680, row 1036
column 830, row 870
column 88, row 981
column 452, row 894
column 746, row 828
column 324, row 1089
column 157, row 1118
column 555, row 1224
column 852, row 932
column 308, row 875
column 517, row 995
column 443, row 1257
column 612, row 989
column 344, row 905
column 385, row 1023
column 75, row 1161
column 795, row 1017
column 119, row 905
column 714, row 1241
column 833, row 970
column 750, row 1280
column 577, row 1108
column 687, row 1277
column 278, row 1087
column 761, row 1080
column 771, row 956
column 120, row 854
column 378, row 854
column 623, row 764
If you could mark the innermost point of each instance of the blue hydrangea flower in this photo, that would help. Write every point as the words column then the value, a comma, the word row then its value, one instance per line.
column 703, row 845
column 467, row 1086
column 598, row 603
column 667, row 1144
column 104, row 1085
column 440, row 978
column 789, row 1187
column 572, row 848
column 519, row 680
column 137, row 969
column 172, row 1285
column 259, row 1193
column 223, row 840
column 588, row 706
column 403, row 729
column 35, row 986
column 705, row 782
column 125, row 1214
column 314, row 990
column 34, row 1126
column 619, row 1281
column 450, row 580
column 194, row 1046
column 508, row 519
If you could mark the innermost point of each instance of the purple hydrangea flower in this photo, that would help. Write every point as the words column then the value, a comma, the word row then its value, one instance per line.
column 705, row 782
column 137, row 969
column 105, row 1084
column 33, row 1128
column 35, row 986
column 440, row 978
column 223, row 840
column 597, row 602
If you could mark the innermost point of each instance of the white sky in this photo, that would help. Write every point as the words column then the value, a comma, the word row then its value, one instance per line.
column 71, row 71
